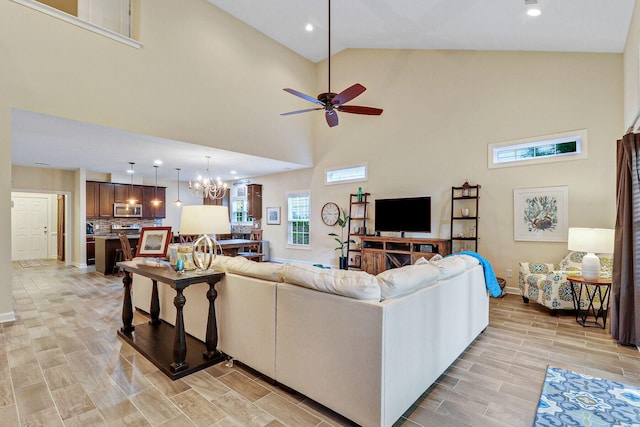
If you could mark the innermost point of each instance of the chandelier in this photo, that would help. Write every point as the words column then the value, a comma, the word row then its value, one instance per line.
column 205, row 187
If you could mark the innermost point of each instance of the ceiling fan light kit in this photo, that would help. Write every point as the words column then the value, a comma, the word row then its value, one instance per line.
column 333, row 102
column 532, row 7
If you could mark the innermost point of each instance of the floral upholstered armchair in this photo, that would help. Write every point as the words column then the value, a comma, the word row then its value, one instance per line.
column 547, row 284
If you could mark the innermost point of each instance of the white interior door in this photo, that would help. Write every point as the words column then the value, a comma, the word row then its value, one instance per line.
column 29, row 219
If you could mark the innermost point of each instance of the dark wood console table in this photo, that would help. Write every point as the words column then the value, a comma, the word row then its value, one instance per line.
column 153, row 340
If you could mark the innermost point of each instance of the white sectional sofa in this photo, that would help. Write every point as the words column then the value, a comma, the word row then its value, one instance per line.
column 364, row 346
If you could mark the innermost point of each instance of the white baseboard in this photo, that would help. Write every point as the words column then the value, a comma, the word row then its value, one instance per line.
column 80, row 264
column 7, row 317
column 512, row 290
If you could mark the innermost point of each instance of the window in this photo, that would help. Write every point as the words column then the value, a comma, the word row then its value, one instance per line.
column 343, row 175
column 239, row 205
column 298, row 219
column 549, row 148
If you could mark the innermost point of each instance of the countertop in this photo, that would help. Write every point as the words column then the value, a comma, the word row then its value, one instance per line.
column 114, row 236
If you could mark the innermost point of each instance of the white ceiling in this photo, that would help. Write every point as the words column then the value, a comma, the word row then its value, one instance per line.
column 40, row 140
column 565, row 25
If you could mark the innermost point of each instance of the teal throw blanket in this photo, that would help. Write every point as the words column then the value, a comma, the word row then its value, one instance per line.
column 489, row 276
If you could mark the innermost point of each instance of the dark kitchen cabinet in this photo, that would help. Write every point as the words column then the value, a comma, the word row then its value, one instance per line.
column 254, row 200
column 161, row 209
column 91, row 250
column 106, row 199
column 124, row 192
column 93, row 199
column 219, row 202
column 148, row 196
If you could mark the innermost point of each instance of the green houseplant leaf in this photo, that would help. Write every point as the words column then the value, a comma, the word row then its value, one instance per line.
column 343, row 221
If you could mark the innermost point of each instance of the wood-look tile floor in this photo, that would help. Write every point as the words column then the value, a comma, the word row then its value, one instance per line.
column 61, row 364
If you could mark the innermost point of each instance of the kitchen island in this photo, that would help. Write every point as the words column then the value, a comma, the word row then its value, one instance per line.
column 106, row 246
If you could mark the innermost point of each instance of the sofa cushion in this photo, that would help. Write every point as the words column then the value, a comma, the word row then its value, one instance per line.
column 396, row 282
column 220, row 263
column 450, row 266
column 260, row 270
column 352, row 284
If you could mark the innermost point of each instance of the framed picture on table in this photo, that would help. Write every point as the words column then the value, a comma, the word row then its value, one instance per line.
column 154, row 242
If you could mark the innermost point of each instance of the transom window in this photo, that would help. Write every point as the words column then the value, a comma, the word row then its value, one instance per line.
column 549, row 148
column 348, row 174
column 298, row 207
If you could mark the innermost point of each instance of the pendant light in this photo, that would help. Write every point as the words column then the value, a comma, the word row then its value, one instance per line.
column 132, row 200
column 178, row 202
column 156, row 202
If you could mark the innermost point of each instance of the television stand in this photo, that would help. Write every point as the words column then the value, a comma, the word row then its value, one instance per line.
column 382, row 253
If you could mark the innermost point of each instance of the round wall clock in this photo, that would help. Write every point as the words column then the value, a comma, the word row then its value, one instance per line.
column 330, row 213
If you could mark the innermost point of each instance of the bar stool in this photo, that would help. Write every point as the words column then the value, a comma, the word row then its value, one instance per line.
column 118, row 257
column 122, row 254
column 254, row 251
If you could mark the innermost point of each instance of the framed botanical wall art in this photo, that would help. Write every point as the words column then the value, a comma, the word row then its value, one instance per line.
column 273, row 215
column 541, row 214
column 154, row 241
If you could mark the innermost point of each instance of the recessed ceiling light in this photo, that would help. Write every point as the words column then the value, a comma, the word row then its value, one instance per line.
column 309, row 27
column 233, row 172
column 157, row 162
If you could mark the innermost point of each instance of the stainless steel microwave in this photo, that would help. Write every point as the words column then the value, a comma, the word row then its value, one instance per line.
column 125, row 210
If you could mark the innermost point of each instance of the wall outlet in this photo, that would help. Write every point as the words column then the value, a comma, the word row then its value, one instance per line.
column 97, row 227
column 509, row 272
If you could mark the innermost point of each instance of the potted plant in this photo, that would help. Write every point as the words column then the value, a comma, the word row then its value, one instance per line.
column 343, row 221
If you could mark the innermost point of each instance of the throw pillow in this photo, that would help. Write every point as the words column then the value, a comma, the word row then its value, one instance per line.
column 450, row 266
column 260, row 270
column 352, row 284
column 396, row 282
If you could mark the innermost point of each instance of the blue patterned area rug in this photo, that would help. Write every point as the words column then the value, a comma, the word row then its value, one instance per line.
column 572, row 399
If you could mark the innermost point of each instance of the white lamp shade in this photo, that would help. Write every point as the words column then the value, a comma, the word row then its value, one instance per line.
column 591, row 240
column 204, row 219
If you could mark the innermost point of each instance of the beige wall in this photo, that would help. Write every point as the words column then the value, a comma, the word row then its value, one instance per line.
column 442, row 108
column 203, row 77
column 26, row 178
column 200, row 77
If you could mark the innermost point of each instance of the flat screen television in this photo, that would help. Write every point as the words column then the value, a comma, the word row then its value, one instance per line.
column 405, row 214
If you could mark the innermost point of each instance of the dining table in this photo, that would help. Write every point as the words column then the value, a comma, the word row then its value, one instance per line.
column 231, row 247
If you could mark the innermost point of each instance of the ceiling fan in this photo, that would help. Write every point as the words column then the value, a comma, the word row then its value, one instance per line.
column 333, row 102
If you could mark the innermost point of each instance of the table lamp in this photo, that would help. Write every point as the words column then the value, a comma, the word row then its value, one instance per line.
column 204, row 220
column 592, row 241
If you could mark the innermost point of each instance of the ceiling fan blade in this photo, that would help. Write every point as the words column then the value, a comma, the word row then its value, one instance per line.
column 355, row 109
column 348, row 94
column 303, row 96
column 301, row 111
column 332, row 118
